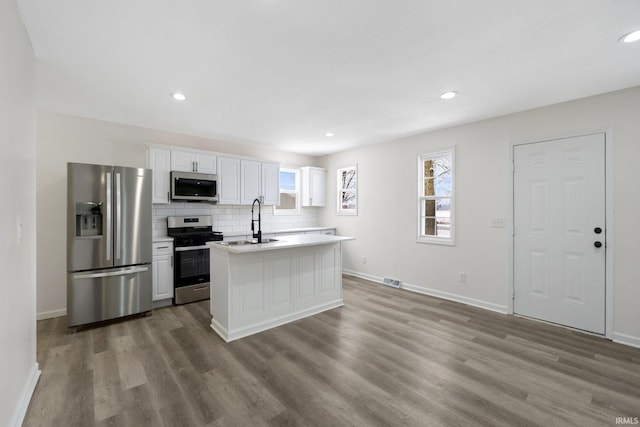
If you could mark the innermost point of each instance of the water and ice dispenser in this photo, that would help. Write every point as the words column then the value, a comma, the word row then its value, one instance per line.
column 88, row 219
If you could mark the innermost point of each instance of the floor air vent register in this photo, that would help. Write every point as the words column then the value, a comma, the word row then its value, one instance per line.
column 392, row 283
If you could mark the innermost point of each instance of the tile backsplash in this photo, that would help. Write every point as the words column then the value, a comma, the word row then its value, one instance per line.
column 232, row 219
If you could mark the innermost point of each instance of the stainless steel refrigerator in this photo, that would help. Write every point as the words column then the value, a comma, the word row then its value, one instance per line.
column 108, row 242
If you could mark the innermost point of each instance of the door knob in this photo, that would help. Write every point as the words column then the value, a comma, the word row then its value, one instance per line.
column 597, row 244
column 597, row 230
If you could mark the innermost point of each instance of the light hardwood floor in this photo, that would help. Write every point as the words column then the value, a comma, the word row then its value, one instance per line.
column 387, row 358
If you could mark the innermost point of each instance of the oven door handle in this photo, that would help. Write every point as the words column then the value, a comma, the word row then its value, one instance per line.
column 191, row 248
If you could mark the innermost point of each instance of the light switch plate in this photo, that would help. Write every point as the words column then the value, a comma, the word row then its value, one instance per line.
column 498, row 223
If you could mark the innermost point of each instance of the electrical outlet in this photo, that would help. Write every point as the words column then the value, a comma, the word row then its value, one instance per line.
column 463, row 277
column 364, row 259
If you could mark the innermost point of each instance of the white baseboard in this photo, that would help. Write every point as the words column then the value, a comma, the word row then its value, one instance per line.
column 625, row 339
column 245, row 331
column 363, row 275
column 435, row 293
column 51, row 314
column 25, row 398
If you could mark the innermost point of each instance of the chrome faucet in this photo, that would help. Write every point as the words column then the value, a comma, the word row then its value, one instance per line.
column 257, row 235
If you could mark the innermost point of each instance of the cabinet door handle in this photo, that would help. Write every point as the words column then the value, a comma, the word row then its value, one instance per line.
column 162, row 247
column 171, row 261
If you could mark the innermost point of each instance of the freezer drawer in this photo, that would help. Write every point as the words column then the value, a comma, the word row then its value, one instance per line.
column 98, row 295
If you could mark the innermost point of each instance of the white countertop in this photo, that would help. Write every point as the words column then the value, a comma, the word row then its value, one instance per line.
column 283, row 242
column 284, row 230
column 161, row 238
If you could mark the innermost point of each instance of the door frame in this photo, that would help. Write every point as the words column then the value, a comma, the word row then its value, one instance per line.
column 608, row 140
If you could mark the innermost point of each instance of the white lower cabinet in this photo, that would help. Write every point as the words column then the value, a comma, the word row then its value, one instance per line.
column 162, row 267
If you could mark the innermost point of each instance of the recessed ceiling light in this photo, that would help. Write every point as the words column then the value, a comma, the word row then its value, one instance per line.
column 178, row 96
column 449, row 95
column 633, row 36
column 329, row 134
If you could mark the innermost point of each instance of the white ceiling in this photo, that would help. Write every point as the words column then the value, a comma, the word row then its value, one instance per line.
column 282, row 73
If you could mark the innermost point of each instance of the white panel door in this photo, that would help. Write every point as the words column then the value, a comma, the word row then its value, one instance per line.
column 559, row 231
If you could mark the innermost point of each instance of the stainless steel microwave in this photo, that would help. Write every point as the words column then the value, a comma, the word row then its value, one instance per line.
column 194, row 187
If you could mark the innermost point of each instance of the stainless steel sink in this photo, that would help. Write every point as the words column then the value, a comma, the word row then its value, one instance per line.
column 247, row 242
column 235, row 243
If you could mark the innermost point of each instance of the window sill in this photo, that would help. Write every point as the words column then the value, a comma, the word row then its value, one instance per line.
column 436, row 241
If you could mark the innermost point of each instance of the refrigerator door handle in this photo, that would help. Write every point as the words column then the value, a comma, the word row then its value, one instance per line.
column 118, row 215
column 122, row 272
column 108, row 233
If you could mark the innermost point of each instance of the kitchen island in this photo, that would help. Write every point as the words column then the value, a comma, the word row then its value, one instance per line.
column 258, row 286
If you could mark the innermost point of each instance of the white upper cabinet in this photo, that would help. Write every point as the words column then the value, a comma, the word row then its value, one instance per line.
column 206, row 163
column 159, row 160
column 313, row 186
column 271, row 184
column 228, row 181
column 260, row 181
column 183, row 161
column 250, row 181
column 240, row 182
column 188, row 161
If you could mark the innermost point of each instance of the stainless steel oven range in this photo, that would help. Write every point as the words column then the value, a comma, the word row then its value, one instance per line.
column 191, row 267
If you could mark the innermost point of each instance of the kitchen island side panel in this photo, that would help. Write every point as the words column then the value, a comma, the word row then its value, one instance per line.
column 265, row 289
column 219, row 290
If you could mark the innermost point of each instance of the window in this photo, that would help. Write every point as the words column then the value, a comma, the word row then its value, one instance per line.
column 436, row 197
column 289, row 193
column 347, row 180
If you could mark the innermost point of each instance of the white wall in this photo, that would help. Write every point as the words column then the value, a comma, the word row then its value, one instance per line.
column 386, row 225
column 64, row 138
column 18, row 367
